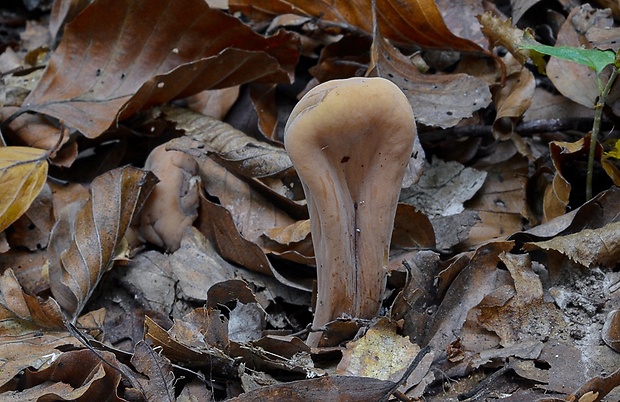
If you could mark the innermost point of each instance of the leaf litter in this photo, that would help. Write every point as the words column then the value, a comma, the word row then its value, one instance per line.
column 151, row 252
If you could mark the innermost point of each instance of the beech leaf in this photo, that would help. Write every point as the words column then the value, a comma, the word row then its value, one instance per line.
column 83, row 241
column 117, row 57
column 23, row 172
column 20, row 312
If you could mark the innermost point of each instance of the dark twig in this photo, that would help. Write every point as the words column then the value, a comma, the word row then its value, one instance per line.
column 526, row 129
column 414, row 364
column 484, row 383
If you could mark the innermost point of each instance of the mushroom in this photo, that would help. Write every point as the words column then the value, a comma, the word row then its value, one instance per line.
column 350, row 141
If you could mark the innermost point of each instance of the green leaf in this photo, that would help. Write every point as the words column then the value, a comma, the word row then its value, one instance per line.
column 596, row 59
column 614, row 153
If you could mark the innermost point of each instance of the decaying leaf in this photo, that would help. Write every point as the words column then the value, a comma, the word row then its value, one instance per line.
column 512, row 101
column 74, row 375
column 23, row 172
column 332, row 388
column 237, row 151
column 21, row 313
column 84, row 241
column 416, row 22
column 590, row 247
column 381, row 353
column 159, row 382
column 443, row 188
column 117, row 57
column 438, row 100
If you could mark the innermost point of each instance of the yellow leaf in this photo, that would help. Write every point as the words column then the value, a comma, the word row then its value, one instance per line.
column 23, row 172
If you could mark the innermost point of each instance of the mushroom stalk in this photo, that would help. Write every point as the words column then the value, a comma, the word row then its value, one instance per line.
column 350, row 141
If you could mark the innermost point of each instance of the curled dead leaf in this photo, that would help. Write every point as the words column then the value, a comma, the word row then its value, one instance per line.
column 83, row 241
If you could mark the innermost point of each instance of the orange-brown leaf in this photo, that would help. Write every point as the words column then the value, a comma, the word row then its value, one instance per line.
column 412, row 22
column 117, row 57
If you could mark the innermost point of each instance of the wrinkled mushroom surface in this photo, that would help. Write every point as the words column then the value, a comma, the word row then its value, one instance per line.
column 350, row 141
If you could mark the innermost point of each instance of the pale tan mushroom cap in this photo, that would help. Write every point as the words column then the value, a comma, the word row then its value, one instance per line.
column 350, row 141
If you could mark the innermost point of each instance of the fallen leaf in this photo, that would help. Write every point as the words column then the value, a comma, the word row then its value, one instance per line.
column 197, row 266
column 381, row 353
column 525, row 314
column 23, row 172
column 332, row 388
column 466, row 291
column 31, row 231
column 21, row 313
column 443, row 188
column 437, row 100
column 206, row 136
column 159, row 382
column 181, row 346
column 416, row 22
column 31, row 351
column 512, row 101
column 83, row 242
column 590, row 247
column 90, row 83
column 75, row 374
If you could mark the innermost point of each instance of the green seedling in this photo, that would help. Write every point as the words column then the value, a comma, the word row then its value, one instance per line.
column 597, row 60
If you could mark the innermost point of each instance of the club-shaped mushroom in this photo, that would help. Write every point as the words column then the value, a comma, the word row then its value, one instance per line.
column 350, row 141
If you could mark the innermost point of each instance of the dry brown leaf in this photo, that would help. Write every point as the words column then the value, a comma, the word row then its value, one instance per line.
column 252, row 212
column 502, row 32
column 332, row 388
column 181, row 345
column 31, row 351
column 77, row 374
column 84, row 241
column 228, row 146
column 38, row 132
column 437, row 100
column 32, row 230
column 172, row 206
column 590, row 247
column 501, row 202
column 443, row 188
column 461, row 19
column 23, row 172
column 525, row 314
column 414, row 22
column 599, row 386
column 469, row 287
column 412, row 229
column 158, row 385
column 292, row 243
column 91, row 83
column 569, row 160
column 197, row 266
column 512, row 101
column 21, row 313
